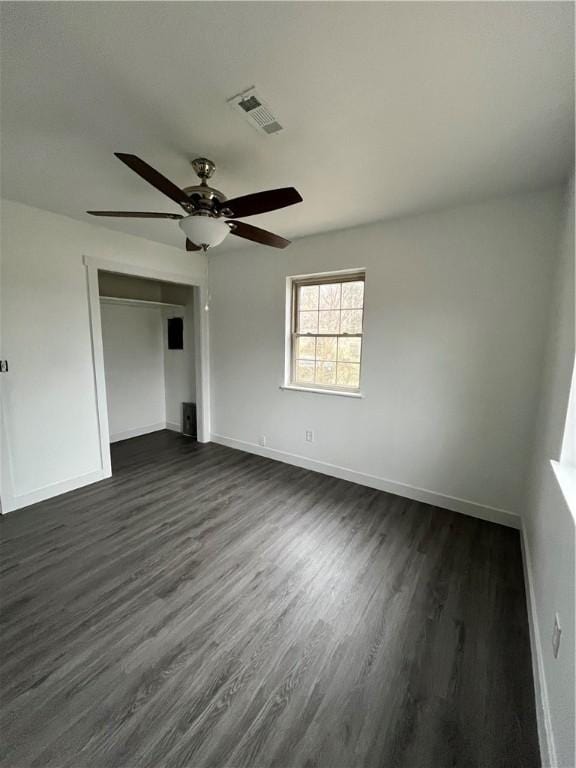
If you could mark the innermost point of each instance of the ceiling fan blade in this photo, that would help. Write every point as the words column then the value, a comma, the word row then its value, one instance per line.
column 260, row 202
column 248, row 232
column 191, row 247
column 152, row 176
column 136, row 214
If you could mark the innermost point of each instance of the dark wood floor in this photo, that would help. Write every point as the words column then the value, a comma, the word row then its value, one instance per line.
column 206, row 607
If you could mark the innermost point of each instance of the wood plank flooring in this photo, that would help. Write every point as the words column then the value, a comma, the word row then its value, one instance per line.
column 209, row 608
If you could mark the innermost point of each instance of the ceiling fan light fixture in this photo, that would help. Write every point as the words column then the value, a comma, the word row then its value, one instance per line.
column 205, row 207
column 205, row 231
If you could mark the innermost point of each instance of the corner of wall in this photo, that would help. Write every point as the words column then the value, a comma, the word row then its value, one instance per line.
column 547, row 525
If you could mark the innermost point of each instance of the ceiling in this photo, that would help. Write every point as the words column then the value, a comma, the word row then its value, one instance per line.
column 388, row 108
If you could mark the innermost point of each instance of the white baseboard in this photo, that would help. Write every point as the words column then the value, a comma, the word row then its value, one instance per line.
column 11, row 504
column 173, row 426
column 544, row 720
column 466, row 507
column 127, row 434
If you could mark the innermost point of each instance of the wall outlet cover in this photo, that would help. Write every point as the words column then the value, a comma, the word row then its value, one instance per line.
column 263, row 440
column 309, row 436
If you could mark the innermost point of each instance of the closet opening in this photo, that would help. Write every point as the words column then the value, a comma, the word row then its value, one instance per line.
column 149, row 360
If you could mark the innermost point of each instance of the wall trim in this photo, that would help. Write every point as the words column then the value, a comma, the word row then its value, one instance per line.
column 543, row 716
column 53, row 489
column 137, row 431
column 453, row 503
column 97, row 350
column 172, row 425
column 127, row 268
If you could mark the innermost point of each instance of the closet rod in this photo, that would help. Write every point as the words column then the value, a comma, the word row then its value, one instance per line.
column 138, row 302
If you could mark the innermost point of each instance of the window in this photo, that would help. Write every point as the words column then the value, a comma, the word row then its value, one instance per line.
column 326, row 331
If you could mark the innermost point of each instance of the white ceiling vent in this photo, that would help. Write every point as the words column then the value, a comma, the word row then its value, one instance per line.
column 255, row 110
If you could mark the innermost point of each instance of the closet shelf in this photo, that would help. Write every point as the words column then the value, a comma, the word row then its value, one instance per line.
column 138, row 302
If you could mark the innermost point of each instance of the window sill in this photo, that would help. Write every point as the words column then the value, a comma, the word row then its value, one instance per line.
column 340, row 393
column 566, row 477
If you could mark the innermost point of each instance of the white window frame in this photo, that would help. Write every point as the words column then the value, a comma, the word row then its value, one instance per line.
column 292, row 282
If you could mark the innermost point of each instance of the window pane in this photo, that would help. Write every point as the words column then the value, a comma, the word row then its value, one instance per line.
column 305, row 348
column 328, row 342
column 329, row 321
column 308, row 297
column 349, row 350
column 351, row 321
column 304, row 371
column 325, row 373
column 330, row 296
column 353, row 295
column 348, row 375
column 308, row 322
column 326, row 348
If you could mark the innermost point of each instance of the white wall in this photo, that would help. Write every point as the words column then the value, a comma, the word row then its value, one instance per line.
column 455, row 316
column 50, row 419
column 133, row 342
column 549, row 526
column 179, row 368
column 128, row 287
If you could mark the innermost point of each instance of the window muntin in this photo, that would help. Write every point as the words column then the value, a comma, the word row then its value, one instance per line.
column 327, row 319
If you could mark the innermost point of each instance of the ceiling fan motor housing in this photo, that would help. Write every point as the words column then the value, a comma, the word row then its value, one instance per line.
column 201, row 195
column 205, row 196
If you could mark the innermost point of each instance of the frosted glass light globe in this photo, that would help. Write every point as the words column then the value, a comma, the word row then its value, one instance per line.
column 204, row 230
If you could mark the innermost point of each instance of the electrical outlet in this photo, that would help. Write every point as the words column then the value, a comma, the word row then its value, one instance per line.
column 556, row 632
column 263, row 440
column 309, row 436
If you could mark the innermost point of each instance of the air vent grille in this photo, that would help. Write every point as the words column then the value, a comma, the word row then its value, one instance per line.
column 255, row 110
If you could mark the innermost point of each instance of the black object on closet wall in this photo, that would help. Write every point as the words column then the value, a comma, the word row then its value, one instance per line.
column 175, row 333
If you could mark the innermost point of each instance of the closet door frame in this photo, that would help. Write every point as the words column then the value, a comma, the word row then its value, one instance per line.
column 201, row 343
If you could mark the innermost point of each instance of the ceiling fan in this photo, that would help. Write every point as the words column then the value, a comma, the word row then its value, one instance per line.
column 210, row 217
